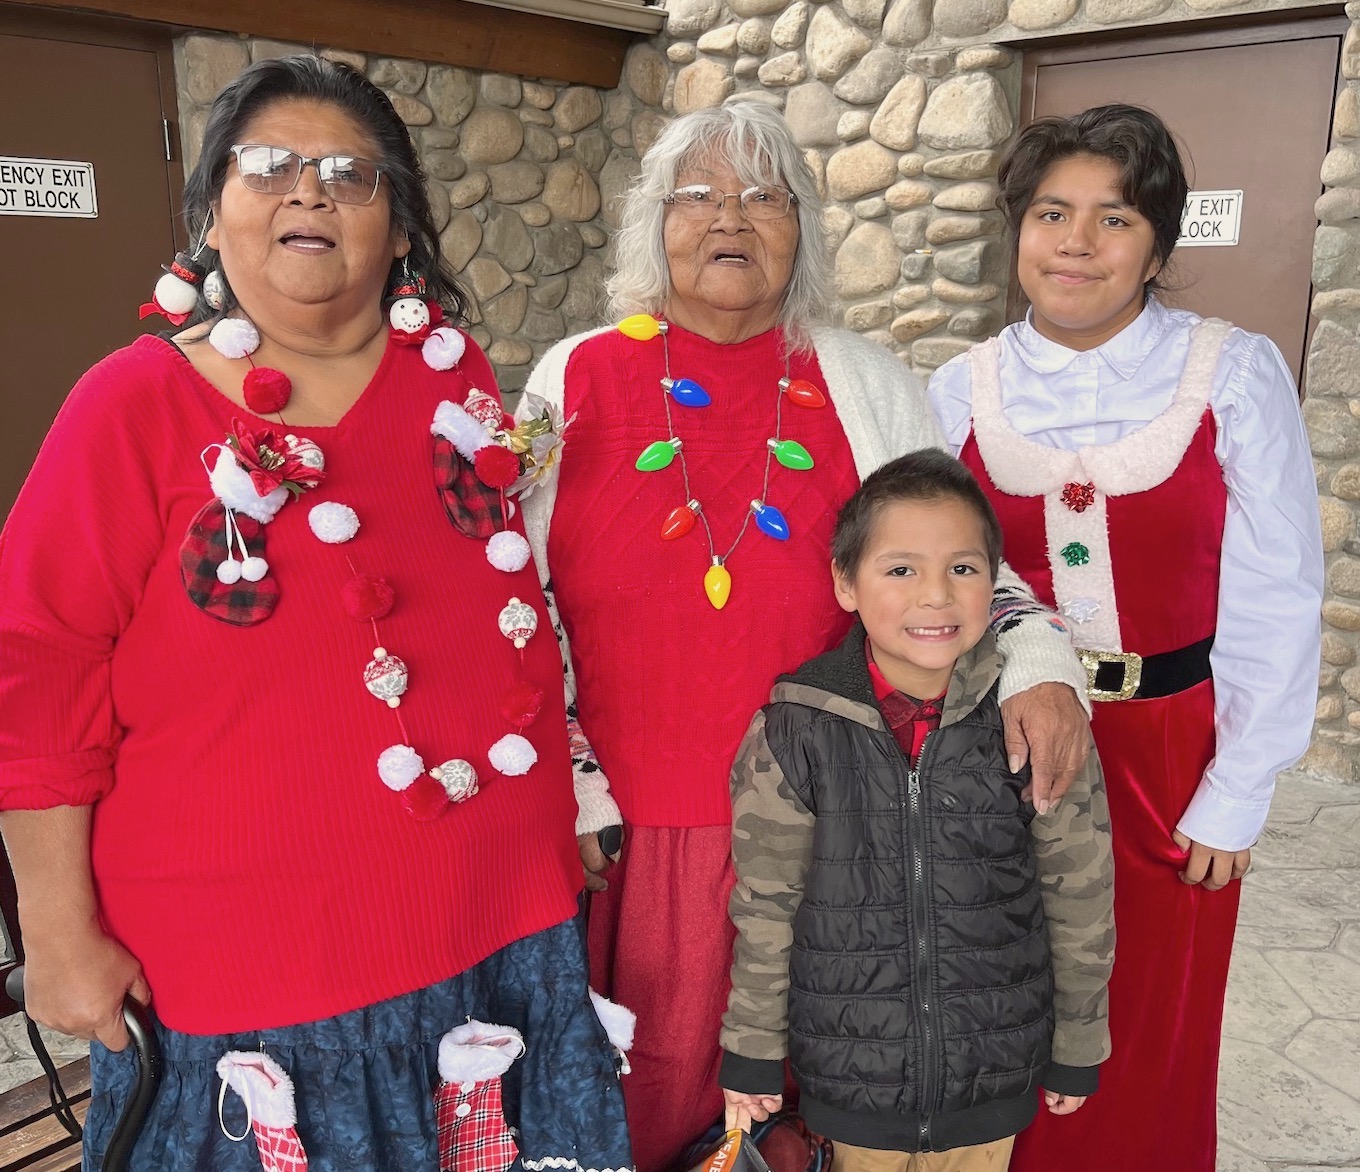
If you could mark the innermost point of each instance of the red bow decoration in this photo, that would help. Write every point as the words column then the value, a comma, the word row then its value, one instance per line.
column 154, row 306
column 265, row 456
column 416, row 337
column 1079, row 497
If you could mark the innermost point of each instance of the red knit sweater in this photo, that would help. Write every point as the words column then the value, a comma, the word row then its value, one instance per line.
column 667, row 685
column 244, row 847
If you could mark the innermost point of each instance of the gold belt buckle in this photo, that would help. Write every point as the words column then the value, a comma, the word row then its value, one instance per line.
column 1133, row 673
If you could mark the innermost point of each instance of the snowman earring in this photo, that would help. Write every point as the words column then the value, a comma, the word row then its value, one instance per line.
column 411, row 315
column 176, row 293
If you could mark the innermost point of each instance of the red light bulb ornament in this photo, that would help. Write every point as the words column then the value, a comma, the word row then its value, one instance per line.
column 680, row 521
column 802, row 393
column 658, row 455
column 770, row 521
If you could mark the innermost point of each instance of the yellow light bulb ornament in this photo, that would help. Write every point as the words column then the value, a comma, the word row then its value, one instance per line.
column 718, row 584
column 641, row 327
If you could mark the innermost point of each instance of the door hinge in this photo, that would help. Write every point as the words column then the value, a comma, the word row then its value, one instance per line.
column 169, row 149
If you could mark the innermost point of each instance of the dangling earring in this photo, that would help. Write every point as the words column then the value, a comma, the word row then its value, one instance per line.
column 176, row 292
column 215, row 289
column 411, row 315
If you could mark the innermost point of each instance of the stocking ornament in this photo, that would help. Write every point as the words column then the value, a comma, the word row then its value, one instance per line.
column 473, row 1136
column 271, row 1110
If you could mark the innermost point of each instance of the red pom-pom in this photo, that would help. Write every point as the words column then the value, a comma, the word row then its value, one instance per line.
column 367, row 596
column 521, row 705
column 266, row 390
column 496, row 467
column 425, row 799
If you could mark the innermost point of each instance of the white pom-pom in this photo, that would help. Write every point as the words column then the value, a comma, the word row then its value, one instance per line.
column 512, row 755
column 409, row 315
column 443, row 348
column 507, row 551
column 333, row 522
column 253, row 569
column 399, row 766
column 619, row 1021
column 460, row 429
column 229, row 572
column 234, row 337
column 236, row 490
column 176, row 295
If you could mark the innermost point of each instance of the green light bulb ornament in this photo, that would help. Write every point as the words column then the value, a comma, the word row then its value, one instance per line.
column 658, row 455
column 791, row 454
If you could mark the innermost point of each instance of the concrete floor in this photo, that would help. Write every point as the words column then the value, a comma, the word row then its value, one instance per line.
column 1289, row 1087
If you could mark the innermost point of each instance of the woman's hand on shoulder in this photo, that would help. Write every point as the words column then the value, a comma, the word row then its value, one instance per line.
column 1047, row 726
column 75, row 982
column 742, row 1109
column 1211, row 868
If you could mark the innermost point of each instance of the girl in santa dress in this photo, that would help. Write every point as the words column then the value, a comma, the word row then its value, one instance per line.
column 1152, row 474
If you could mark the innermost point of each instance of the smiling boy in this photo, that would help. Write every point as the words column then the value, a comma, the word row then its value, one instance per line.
column 925, row 950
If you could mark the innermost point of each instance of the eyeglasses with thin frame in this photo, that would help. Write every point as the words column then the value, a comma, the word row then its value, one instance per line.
column 276, row 170
column 703, row 201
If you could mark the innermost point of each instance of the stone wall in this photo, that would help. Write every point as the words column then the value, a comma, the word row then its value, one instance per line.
column 515, row 168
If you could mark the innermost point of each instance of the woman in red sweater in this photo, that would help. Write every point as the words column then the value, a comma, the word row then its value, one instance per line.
column 220, row 796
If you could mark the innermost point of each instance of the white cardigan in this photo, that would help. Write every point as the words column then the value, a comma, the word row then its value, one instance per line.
column 883, row 409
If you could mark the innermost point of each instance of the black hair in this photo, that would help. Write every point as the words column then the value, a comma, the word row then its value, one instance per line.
column 1151, row 174
column 927, row 475
column 316, row 79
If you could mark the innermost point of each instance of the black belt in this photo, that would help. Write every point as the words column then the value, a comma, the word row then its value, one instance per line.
column 1125, row 675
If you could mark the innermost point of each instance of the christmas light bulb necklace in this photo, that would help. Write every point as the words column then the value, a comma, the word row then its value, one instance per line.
column 789, row 453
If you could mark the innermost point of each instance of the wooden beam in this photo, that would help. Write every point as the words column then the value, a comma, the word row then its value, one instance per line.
column 451, row 32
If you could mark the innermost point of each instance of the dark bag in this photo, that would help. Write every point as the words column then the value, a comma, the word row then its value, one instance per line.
column 781, row 1143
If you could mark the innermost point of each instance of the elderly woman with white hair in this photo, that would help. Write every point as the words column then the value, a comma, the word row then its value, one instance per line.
column 715, row 433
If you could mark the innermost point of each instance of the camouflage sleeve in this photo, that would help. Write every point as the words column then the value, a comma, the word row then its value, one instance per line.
column 771, row 847
column 1076, row 875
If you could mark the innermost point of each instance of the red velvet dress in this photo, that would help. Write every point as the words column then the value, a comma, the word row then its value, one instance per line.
column 1156, row 1105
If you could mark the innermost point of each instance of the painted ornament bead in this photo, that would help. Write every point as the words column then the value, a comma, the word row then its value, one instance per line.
column 718, row 584
column 485, row 409
column 802, row 393
column 518, row 622
column 386, row 677
column 215, row 289
column 306, row 451
column 641, row 327
column 457, row 777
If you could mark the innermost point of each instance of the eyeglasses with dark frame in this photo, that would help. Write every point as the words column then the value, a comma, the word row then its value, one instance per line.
column 275, row 170
column 703, row 201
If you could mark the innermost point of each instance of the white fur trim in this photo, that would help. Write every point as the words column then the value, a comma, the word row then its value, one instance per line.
column 619, row 1021
column 1095, row 580
column 507, row 551
column 264, row 1087
column 460, row 429
column 399, row 766
column 1141, row 460
column 443, row 349
column 234, row 337
column 476, row 1051
column 333, row 522
column 512, row 755
column 233, row 486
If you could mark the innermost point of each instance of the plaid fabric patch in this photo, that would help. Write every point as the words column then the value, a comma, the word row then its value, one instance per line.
column 204, row 549
column 473, row 1136
column 280, row 1149
column 475, row 509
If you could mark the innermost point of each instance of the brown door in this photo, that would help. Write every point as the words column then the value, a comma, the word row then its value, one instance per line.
column 1251, row 109
column 76, row 98
column 74, row 93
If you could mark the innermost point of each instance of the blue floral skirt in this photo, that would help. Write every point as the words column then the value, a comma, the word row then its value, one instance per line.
column 365, row 1080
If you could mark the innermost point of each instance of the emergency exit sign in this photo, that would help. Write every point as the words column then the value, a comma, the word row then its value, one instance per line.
column 47, row 187
column 1211, row 219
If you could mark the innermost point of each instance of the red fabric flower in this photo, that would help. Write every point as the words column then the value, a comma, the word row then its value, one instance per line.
column 1079, row 497
column 265, row 455
column 366, row 597
column 266, row 390
column 496, row 467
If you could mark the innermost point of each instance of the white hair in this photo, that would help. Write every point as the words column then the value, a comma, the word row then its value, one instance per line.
column 756, row 142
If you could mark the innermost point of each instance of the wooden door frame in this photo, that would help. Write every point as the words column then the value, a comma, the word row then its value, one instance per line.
column 23, row 21
column 1265, row 28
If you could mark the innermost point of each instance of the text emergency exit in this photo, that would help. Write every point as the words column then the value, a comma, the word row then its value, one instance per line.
column 47, row 187
column 1211, row 218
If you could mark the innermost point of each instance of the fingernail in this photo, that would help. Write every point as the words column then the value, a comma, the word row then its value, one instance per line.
column 1042, row 806
column 1014, row 762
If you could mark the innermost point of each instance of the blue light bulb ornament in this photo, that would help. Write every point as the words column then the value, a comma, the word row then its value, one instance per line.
column 770, row 521
column 686, row 392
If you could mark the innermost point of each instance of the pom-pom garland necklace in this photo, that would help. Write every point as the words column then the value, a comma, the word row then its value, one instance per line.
column 256, row 472
column 789, row 453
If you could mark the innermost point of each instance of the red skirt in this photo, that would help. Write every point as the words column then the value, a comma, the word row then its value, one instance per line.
column 661, row 944
column 1156, row 1107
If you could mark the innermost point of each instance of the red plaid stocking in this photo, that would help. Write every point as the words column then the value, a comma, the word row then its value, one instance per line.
column 267, row 1093
column 205, row 547
column 473, row 1136
column 475, row 509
